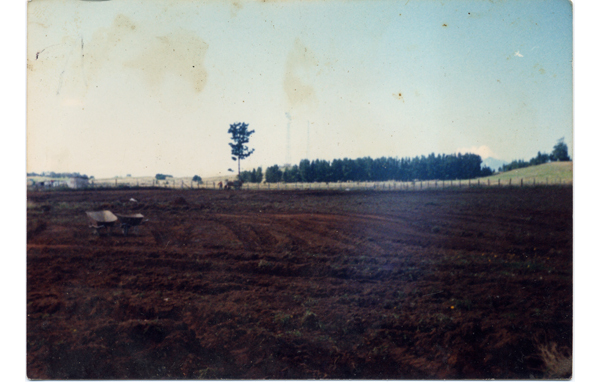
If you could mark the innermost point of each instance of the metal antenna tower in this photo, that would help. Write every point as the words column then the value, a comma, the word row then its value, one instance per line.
column 307, row 138
column 288, row 155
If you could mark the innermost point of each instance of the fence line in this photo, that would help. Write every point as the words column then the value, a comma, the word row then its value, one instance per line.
column 341, row 186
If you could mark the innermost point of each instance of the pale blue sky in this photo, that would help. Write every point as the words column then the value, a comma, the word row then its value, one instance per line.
column 130, row 87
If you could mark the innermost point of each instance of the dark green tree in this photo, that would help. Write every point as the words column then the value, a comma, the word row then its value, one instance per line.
column 305, row 171
column 561, row 151
column 540, row 159
column 240, row 135
column 273, row 174
column 291, row 174
column 321, row 170
column 245, row 176
column 486, row 171
column 197, row 179
column 259, row 175
column 254, row 176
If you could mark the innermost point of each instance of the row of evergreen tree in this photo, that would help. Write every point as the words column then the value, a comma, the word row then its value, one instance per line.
column 440, row 167
column 254, row 176
column 560, row 153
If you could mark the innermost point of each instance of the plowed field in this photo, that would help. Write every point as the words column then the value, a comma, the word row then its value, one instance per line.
column 464, row 283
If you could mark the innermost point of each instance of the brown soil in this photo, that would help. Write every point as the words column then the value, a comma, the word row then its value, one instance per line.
column 297, row 284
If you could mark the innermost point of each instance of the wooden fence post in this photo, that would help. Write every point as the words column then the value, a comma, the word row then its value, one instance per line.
column 534, row 181
column 521, row 182
column 498, row 182
column 509, row 181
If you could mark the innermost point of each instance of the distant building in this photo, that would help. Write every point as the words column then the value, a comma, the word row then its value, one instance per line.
column 45, row 184
column 70, row 183
column 58, row 183
column 77, row 183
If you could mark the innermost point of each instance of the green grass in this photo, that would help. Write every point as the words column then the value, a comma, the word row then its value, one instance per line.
column 553, row 172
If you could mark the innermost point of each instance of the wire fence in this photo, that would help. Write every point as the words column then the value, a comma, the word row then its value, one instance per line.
column 342, row 186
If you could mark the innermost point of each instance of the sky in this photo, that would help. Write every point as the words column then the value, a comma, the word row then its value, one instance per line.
column 143, row 87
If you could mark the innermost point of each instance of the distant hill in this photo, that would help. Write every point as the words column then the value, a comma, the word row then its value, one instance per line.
column 553, row 172
column 493, row 163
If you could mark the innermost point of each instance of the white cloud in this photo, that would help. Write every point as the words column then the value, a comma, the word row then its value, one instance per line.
column 483, row 151
column 518, row 54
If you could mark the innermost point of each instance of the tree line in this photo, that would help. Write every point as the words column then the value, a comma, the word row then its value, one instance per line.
column 254, row 176
column 560, row 153
column 367, row 169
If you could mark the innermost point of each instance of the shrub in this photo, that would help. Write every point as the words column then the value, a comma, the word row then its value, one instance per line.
column 163, row 176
